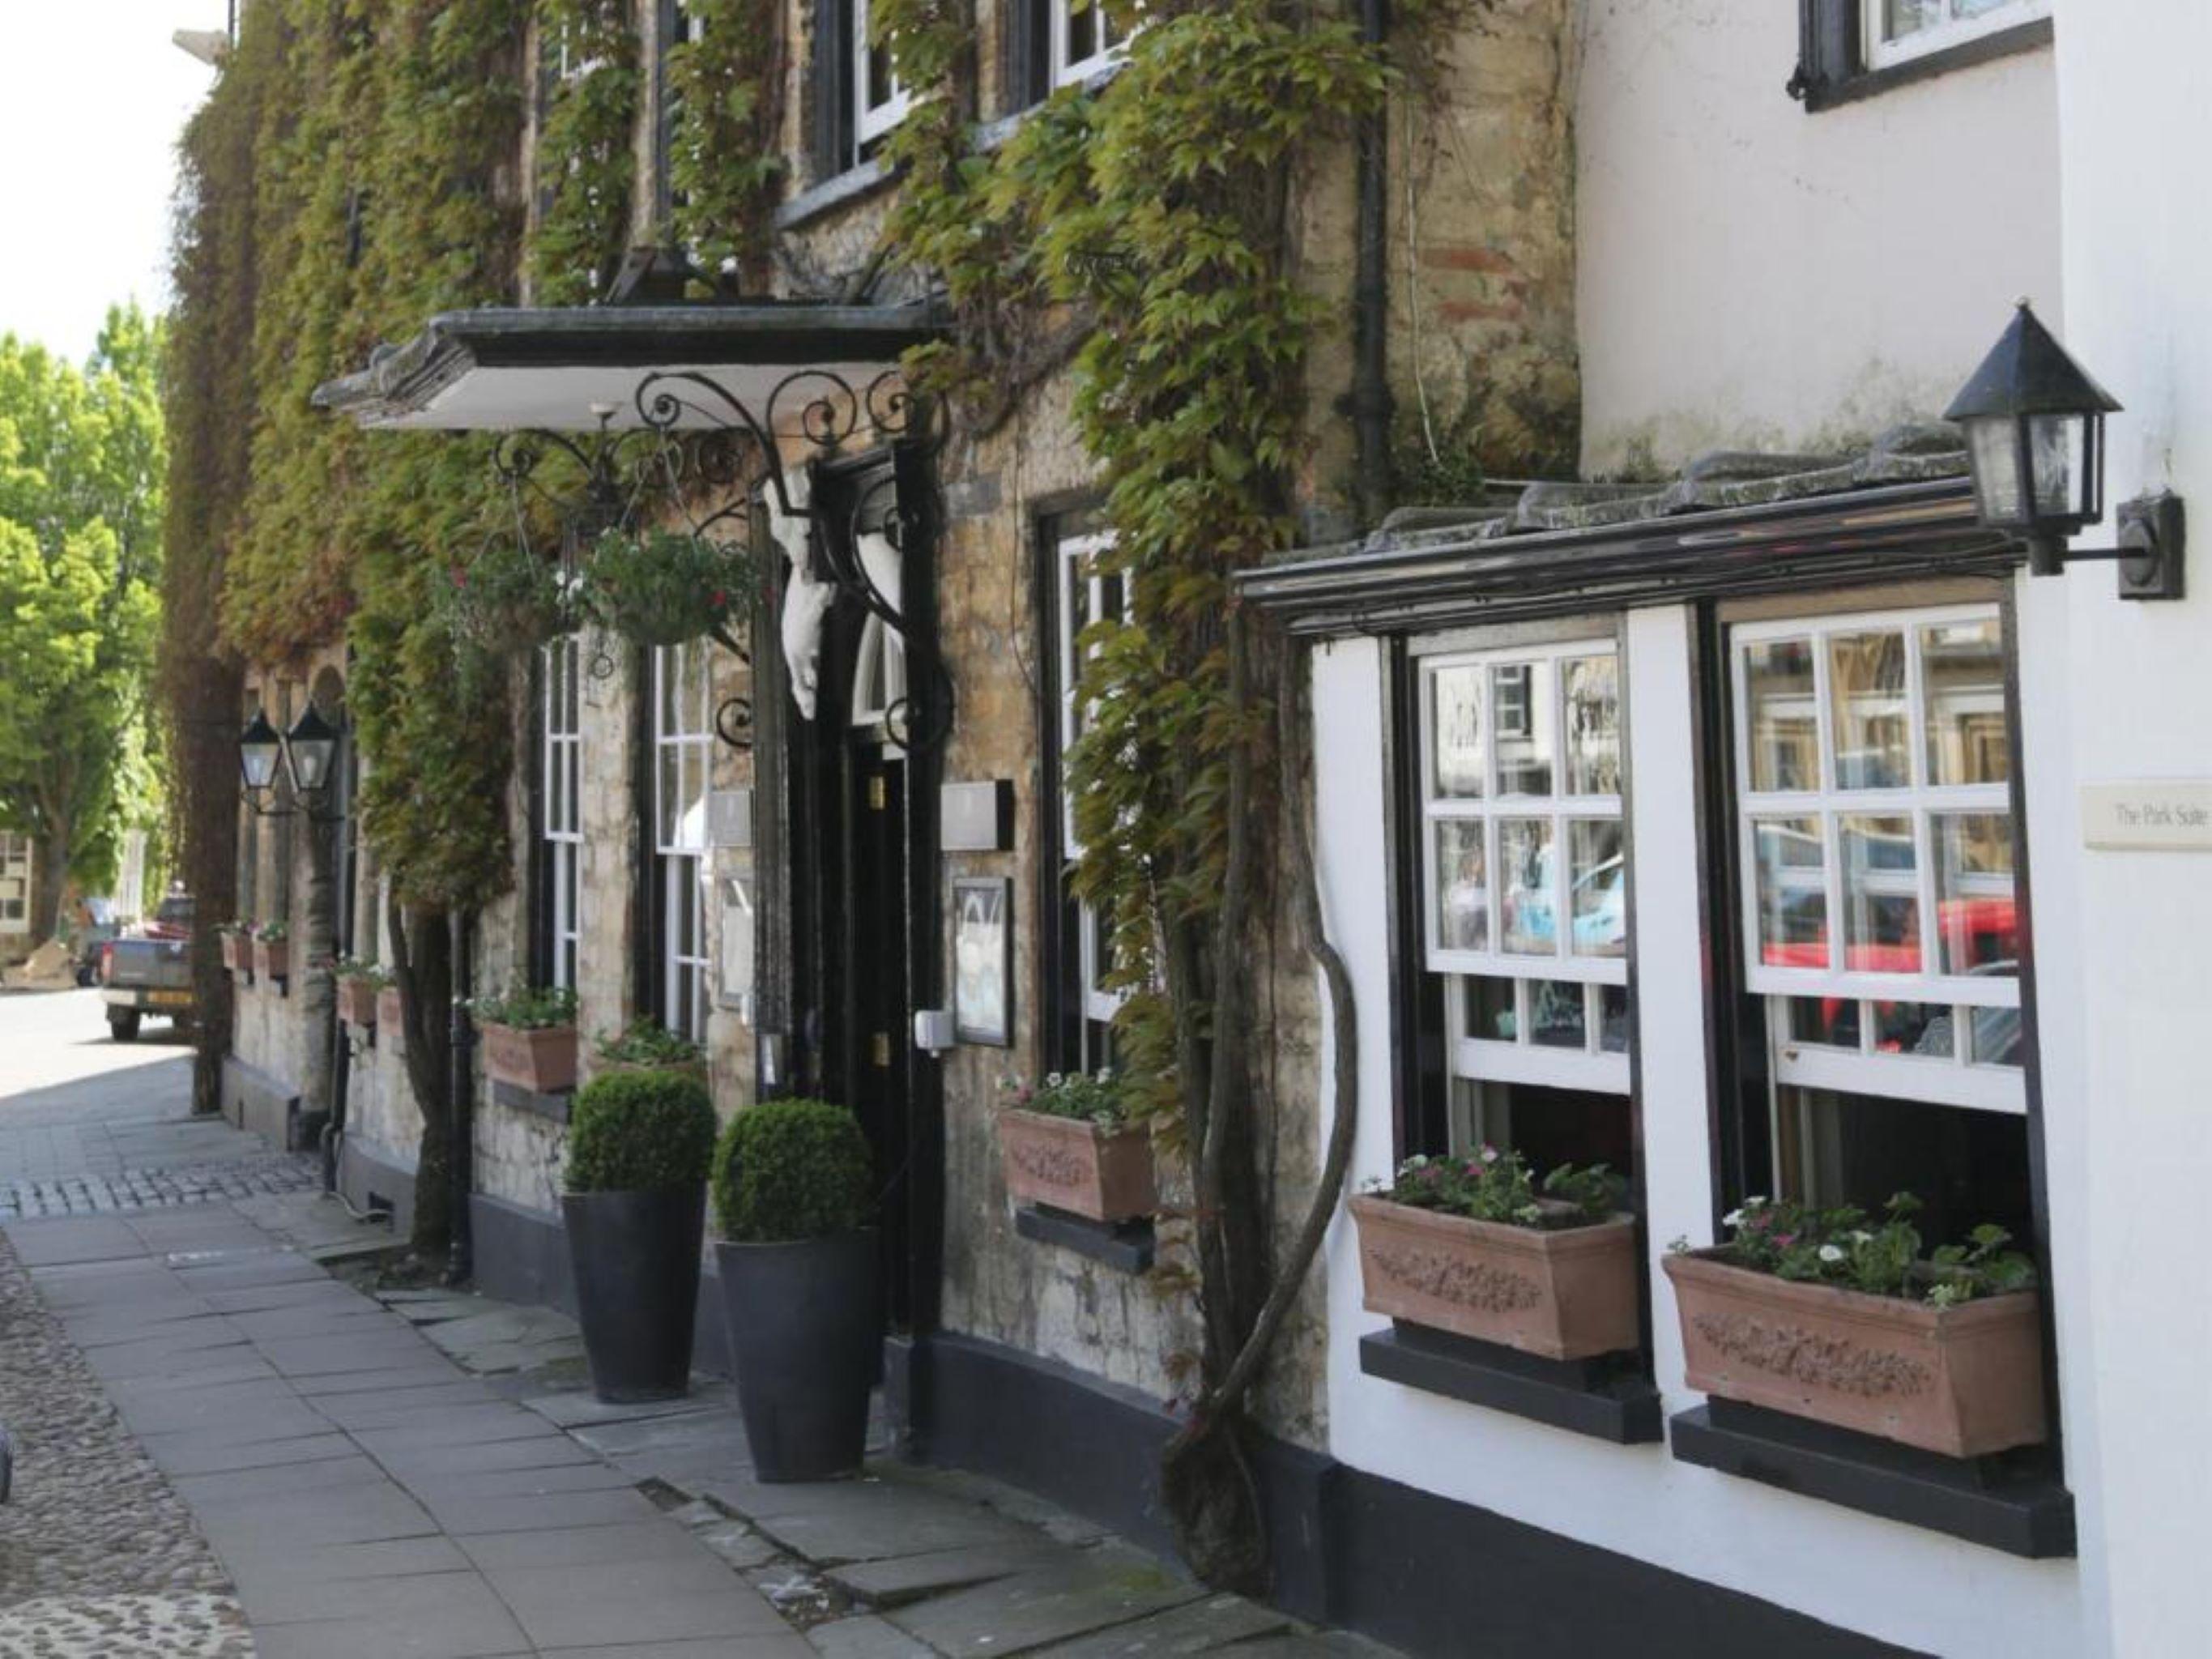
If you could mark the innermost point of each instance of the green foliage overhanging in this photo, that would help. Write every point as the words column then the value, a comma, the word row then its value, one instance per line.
column 586, row 171
column 723, row 168
column 80, row 471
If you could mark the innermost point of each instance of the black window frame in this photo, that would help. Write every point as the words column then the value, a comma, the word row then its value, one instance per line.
column 1831, row 66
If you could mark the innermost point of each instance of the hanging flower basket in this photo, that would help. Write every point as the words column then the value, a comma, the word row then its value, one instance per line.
column 664, row 586
column 505, row 600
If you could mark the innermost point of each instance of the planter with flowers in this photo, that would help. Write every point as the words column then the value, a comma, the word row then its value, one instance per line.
column 1830, row 1315
column 359, row 983
column 237, row 941
column 1068, row 1144
column 649, row 1045
column 272, row 951
column 1475, row 1246
column 664, row 586
column 529, row 1038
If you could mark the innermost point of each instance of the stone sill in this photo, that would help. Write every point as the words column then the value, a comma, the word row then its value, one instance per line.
column 1125, row 1246
column 552, row 1107
column 1608, row 1398
column 857, row 183
column 2015, row 1503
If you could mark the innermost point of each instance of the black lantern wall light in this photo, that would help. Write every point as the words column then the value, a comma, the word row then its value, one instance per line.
column 2035, row 431
column 308, row 754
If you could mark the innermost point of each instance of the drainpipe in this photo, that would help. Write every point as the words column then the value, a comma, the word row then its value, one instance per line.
column 460, row 1118
column 1369, row 399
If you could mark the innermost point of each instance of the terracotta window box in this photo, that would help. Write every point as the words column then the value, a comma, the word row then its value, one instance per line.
column 238, row 953
column 1964, row 1381
column 1559, row 1292
column 541, row 1060
column 1072, row 1164
column 357, row 1000
column 272, row 958
column 389, row 1017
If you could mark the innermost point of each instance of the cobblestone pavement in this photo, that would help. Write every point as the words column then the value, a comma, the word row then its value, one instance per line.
column 99, row 1556
column 146, row 1189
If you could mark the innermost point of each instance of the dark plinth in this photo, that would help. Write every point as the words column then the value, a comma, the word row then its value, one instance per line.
column 516, row 1098
column 1607, row 1398
column 1125, row 1245
column 2014, row 1502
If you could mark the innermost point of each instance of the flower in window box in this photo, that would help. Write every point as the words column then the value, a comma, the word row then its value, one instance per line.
column 1073, row 1145
column 529, row 1038
column 272, row 951
column 1477, row 1248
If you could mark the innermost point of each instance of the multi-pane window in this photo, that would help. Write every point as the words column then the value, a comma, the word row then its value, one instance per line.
column 1899, row 30
column 1873, row 811
column 559, row 775
column 1086, row 35
column 1526, row 868
column 1084, row 596
column 879, row 98
column 14, row 883
column 683, row 747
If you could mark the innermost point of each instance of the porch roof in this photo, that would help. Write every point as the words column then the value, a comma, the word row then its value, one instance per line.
column 1733, row 522
column 576, row 368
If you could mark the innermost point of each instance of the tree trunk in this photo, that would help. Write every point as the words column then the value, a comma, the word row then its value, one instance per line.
column 48, row 880
column 422, row 967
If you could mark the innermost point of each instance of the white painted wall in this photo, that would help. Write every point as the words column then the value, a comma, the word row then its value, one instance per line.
column 2123, row 692
column 1897, row 1583
column 1754, row 276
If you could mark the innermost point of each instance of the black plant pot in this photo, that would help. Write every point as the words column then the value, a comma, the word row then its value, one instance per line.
column 636, row 1262
column 806, row 1342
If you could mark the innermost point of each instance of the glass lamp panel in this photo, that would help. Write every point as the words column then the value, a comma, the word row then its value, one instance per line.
column 1530, row 926
column 1593, row 703
column 2058, row 451
column 1455, row 733
column 1881, row 895
column 1870, row 716
column 1521, row 702
column 1976, row 905
column 311, row 763
column 1962, row 690
column 1791, row 883
column 259, row 761
column 1994, row 443
column 1598, row 899
column 1462, row 886
column 1785, row 725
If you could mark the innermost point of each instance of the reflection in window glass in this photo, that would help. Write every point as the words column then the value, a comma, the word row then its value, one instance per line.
column 1524, row 857
column 1612, row 1018
column 1600, row 894
column 1975, row 910
column 1793, row 892
column 1962, row 684
column 1867, row 703
column 1555, row 1014
column 1995, row 1036
column 1882, row 896
column 1911, row 1027
column 1456, row 724
column 1489, row 1008
column 1785, row 727
column 1592, row 685
column 1829, row 1022
column 1521, row 701
column 1463, row 892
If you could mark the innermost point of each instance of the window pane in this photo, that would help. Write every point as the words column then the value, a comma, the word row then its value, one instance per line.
column 1882, row 896
column 1487, row 1007
column 1995, row 1036
column 1521, row 698
column 1866, row 707
column 1462, row 888
column 1593, row 695
column 1962, row 675
column 670, row 810
column 1456, row 724
column 1612, row 1018
column 1826, row 1022
column 1524, row 859
column 1912, row 1027
column 1601, row 890
column 1785, row 733
column 1967, row 1167
column 1901, row 18
column 1793, row 892
column 1555, row 1014
column 1974, row 899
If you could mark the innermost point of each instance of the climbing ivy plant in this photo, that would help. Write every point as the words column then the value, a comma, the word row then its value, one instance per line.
column 586, row 167
column 723, row 168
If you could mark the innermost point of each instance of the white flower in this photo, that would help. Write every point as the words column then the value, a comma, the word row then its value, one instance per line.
column 1862, row 1237
column 1733, row 1219
column 1051, row 1079
column 1831, row 1254
column 1490, row 1155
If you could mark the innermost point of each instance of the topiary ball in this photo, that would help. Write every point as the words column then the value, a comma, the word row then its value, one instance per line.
column 634, row 1131
column 792, row 1170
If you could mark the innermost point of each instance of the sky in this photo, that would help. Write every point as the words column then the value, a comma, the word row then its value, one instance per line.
column 93, row 95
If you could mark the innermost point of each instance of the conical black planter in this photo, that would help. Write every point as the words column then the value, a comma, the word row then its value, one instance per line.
column 806, row 1343
column 636, row 1261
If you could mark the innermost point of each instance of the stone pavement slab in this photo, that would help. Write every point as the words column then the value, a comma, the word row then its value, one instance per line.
column 1090, row 1590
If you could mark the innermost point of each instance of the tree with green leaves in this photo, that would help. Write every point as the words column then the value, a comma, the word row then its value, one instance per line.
column 81, row 460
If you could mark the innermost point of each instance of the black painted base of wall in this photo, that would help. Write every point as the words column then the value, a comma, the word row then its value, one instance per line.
column 2016, row 1503
column 1420, row 1571
column 522, row 1255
